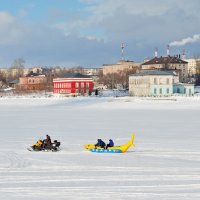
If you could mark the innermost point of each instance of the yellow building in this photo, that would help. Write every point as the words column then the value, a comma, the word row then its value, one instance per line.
column 13, row 71
column 122, row 65
column 193, row 66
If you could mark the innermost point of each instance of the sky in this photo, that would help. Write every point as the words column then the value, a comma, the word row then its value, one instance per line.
column 89, row 33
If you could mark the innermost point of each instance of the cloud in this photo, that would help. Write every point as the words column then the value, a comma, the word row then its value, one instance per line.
column 188, row 40
column 129, row 19
column 91, row 36
column 11, row 30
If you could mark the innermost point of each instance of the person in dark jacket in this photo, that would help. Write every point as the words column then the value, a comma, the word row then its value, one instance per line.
column 110, row 144
column 100, row 143
column 47, row 142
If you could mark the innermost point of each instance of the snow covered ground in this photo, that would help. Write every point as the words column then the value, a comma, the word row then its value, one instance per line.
column 165, row 164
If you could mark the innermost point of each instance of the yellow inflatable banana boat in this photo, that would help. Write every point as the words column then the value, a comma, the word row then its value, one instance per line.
column 115, row 149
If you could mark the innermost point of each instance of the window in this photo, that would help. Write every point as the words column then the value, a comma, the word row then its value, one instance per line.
column 190, row 91
column 155, row 81
column 178, row 90
column 167, row 90
column 77, row 85
column 155, row 91
column 167, row 80
column 160, row 90
column 82, row 85
column 184, row 90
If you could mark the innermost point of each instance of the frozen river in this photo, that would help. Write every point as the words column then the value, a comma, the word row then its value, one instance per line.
column 165, row 164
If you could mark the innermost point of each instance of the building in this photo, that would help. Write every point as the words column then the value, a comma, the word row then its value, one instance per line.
column 92, row 71
column 73, row 84
column 122, row 65
column 151, row 83
column 32, row 82
column 193, row 66
column 13, row 83
column 180, row 88
column 157, row 83
column 14, row 71
column 168, row 63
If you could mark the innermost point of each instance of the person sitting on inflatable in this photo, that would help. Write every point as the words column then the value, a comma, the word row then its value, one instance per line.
column 110, row 144
column 100, row 143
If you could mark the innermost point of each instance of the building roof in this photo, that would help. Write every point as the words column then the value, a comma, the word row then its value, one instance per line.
column 74, row 75
column 155, row 72
column 14, row 82
column 165, row 60
column 32, row 74
column 122, row 62
column 183, row 84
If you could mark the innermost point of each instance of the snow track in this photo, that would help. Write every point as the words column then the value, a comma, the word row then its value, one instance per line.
column 97, row 183
column 12, row 160
column 165, row 164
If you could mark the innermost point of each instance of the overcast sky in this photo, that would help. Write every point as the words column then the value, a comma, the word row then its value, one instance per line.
column 89, row 33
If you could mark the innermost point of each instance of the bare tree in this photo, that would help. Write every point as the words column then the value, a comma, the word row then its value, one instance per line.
column 18, row 63
column 2, row 77
column 120, row 78
column 16, row 70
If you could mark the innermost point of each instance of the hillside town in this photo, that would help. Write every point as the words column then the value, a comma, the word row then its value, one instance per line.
column 159, row 76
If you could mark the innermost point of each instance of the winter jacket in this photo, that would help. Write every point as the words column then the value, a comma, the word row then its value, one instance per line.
column 100, row 143
column 111, row 143
column 38, row 143
column 48, row 140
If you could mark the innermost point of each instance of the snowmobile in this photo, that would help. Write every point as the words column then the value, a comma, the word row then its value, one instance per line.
column 40, row 146
column 115, row 149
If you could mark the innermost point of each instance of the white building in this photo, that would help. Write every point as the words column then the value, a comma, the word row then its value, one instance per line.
column 151, row 83
column 157, row 83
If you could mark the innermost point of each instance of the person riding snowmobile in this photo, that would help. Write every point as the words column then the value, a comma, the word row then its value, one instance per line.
column 47, row 144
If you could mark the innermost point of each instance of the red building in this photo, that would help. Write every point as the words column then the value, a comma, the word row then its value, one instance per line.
column 73, row 84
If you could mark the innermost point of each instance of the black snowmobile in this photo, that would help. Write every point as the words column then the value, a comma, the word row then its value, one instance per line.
column 41, row 146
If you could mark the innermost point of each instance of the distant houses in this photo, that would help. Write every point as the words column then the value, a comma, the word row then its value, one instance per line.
column 159, row 76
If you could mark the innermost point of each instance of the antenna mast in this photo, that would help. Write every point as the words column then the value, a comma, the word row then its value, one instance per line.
column 183, row 54
column 122, row 47
column 168, row 50
column 156, row 52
